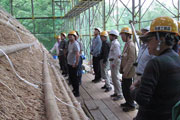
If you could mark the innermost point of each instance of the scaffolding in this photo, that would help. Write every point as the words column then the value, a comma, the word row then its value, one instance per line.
column 84, row 15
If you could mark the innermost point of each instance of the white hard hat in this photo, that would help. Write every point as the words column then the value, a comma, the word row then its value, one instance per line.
column 97, row 28
column 146, row 28
column 114, row 32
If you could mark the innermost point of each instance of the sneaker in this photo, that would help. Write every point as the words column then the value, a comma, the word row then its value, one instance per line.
column 108, row 89
column 124, row 105
column 76, row 94
column 93, row 80
column 118, row 97
column 65, row 75
column 114, row 95
column 97, row 80
column 73, row 91
column 104, row 87
column 128, row 109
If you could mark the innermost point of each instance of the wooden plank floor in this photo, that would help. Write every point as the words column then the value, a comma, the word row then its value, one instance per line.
column 99, row 103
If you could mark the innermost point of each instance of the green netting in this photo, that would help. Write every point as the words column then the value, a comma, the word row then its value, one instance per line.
column 43, row 8
column 47, row 39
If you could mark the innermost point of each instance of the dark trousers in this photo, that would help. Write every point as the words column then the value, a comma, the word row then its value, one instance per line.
column 126, row 83
column 63, row 64
column 60, row 63
column 73, row 77
column 152, row 115
column 80, row 69
column 97, row 67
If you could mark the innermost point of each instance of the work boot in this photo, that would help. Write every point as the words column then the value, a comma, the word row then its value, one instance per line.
column 114, row 95
column 93, row 80
column 124, row 105
column 76, row 94
column 108, row 89
column 104, row 87
column 97, row 80
column 129, row 108
column 118, row 97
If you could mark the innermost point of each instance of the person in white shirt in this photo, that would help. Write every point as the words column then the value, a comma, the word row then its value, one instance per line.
column 115, row 61
column 56, row 45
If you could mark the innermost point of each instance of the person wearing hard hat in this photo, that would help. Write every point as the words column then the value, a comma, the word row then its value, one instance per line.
column 95, row 52
column 179, row 48
column 176, row 46
column 143, row 57
column 55, row 47
column 62, row 54
column 80, row 58
column 127, row 69
column 104, row 62
column 159, row 89
column 73, row 60
column 145, row 30
column 115, row 61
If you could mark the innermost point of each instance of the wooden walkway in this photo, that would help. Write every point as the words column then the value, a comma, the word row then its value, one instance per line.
column 98, row 104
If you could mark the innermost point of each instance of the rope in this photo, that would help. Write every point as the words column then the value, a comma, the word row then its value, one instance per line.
column 67, row 103
column 12, row 66
column 13, row 93
column 31, row 84
column 14, row 30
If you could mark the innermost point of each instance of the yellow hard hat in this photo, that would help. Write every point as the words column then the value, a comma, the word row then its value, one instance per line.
column 164, row 24
column 178, row 28
column 126, row 30
column 73, row 33
column 104, row 33
column 63, row 33
column 58, row 37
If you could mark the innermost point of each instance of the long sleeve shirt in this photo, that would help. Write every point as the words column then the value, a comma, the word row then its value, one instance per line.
column 105, row 51
column 55, row 47
column 143, row 59
column 160, row 84
column 115, row 51
column 96, row 46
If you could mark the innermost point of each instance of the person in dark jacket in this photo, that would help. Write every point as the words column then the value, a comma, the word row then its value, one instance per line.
column 62, row 54
column 104, row 62
column 159, row 89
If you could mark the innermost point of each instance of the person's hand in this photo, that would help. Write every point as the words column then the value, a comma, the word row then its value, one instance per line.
column 136, row 84
column 74, row 65
column 132, row 87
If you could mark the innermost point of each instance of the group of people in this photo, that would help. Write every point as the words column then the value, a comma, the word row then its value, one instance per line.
column 70, row 58
column 108, row 54
column 151, row 77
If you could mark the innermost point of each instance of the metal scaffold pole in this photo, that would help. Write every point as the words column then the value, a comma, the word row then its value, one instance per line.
column 11, row 7
column 139, row 14
column 53, row 14
column 104, row 15
column 32, row 7
column 178, row 9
